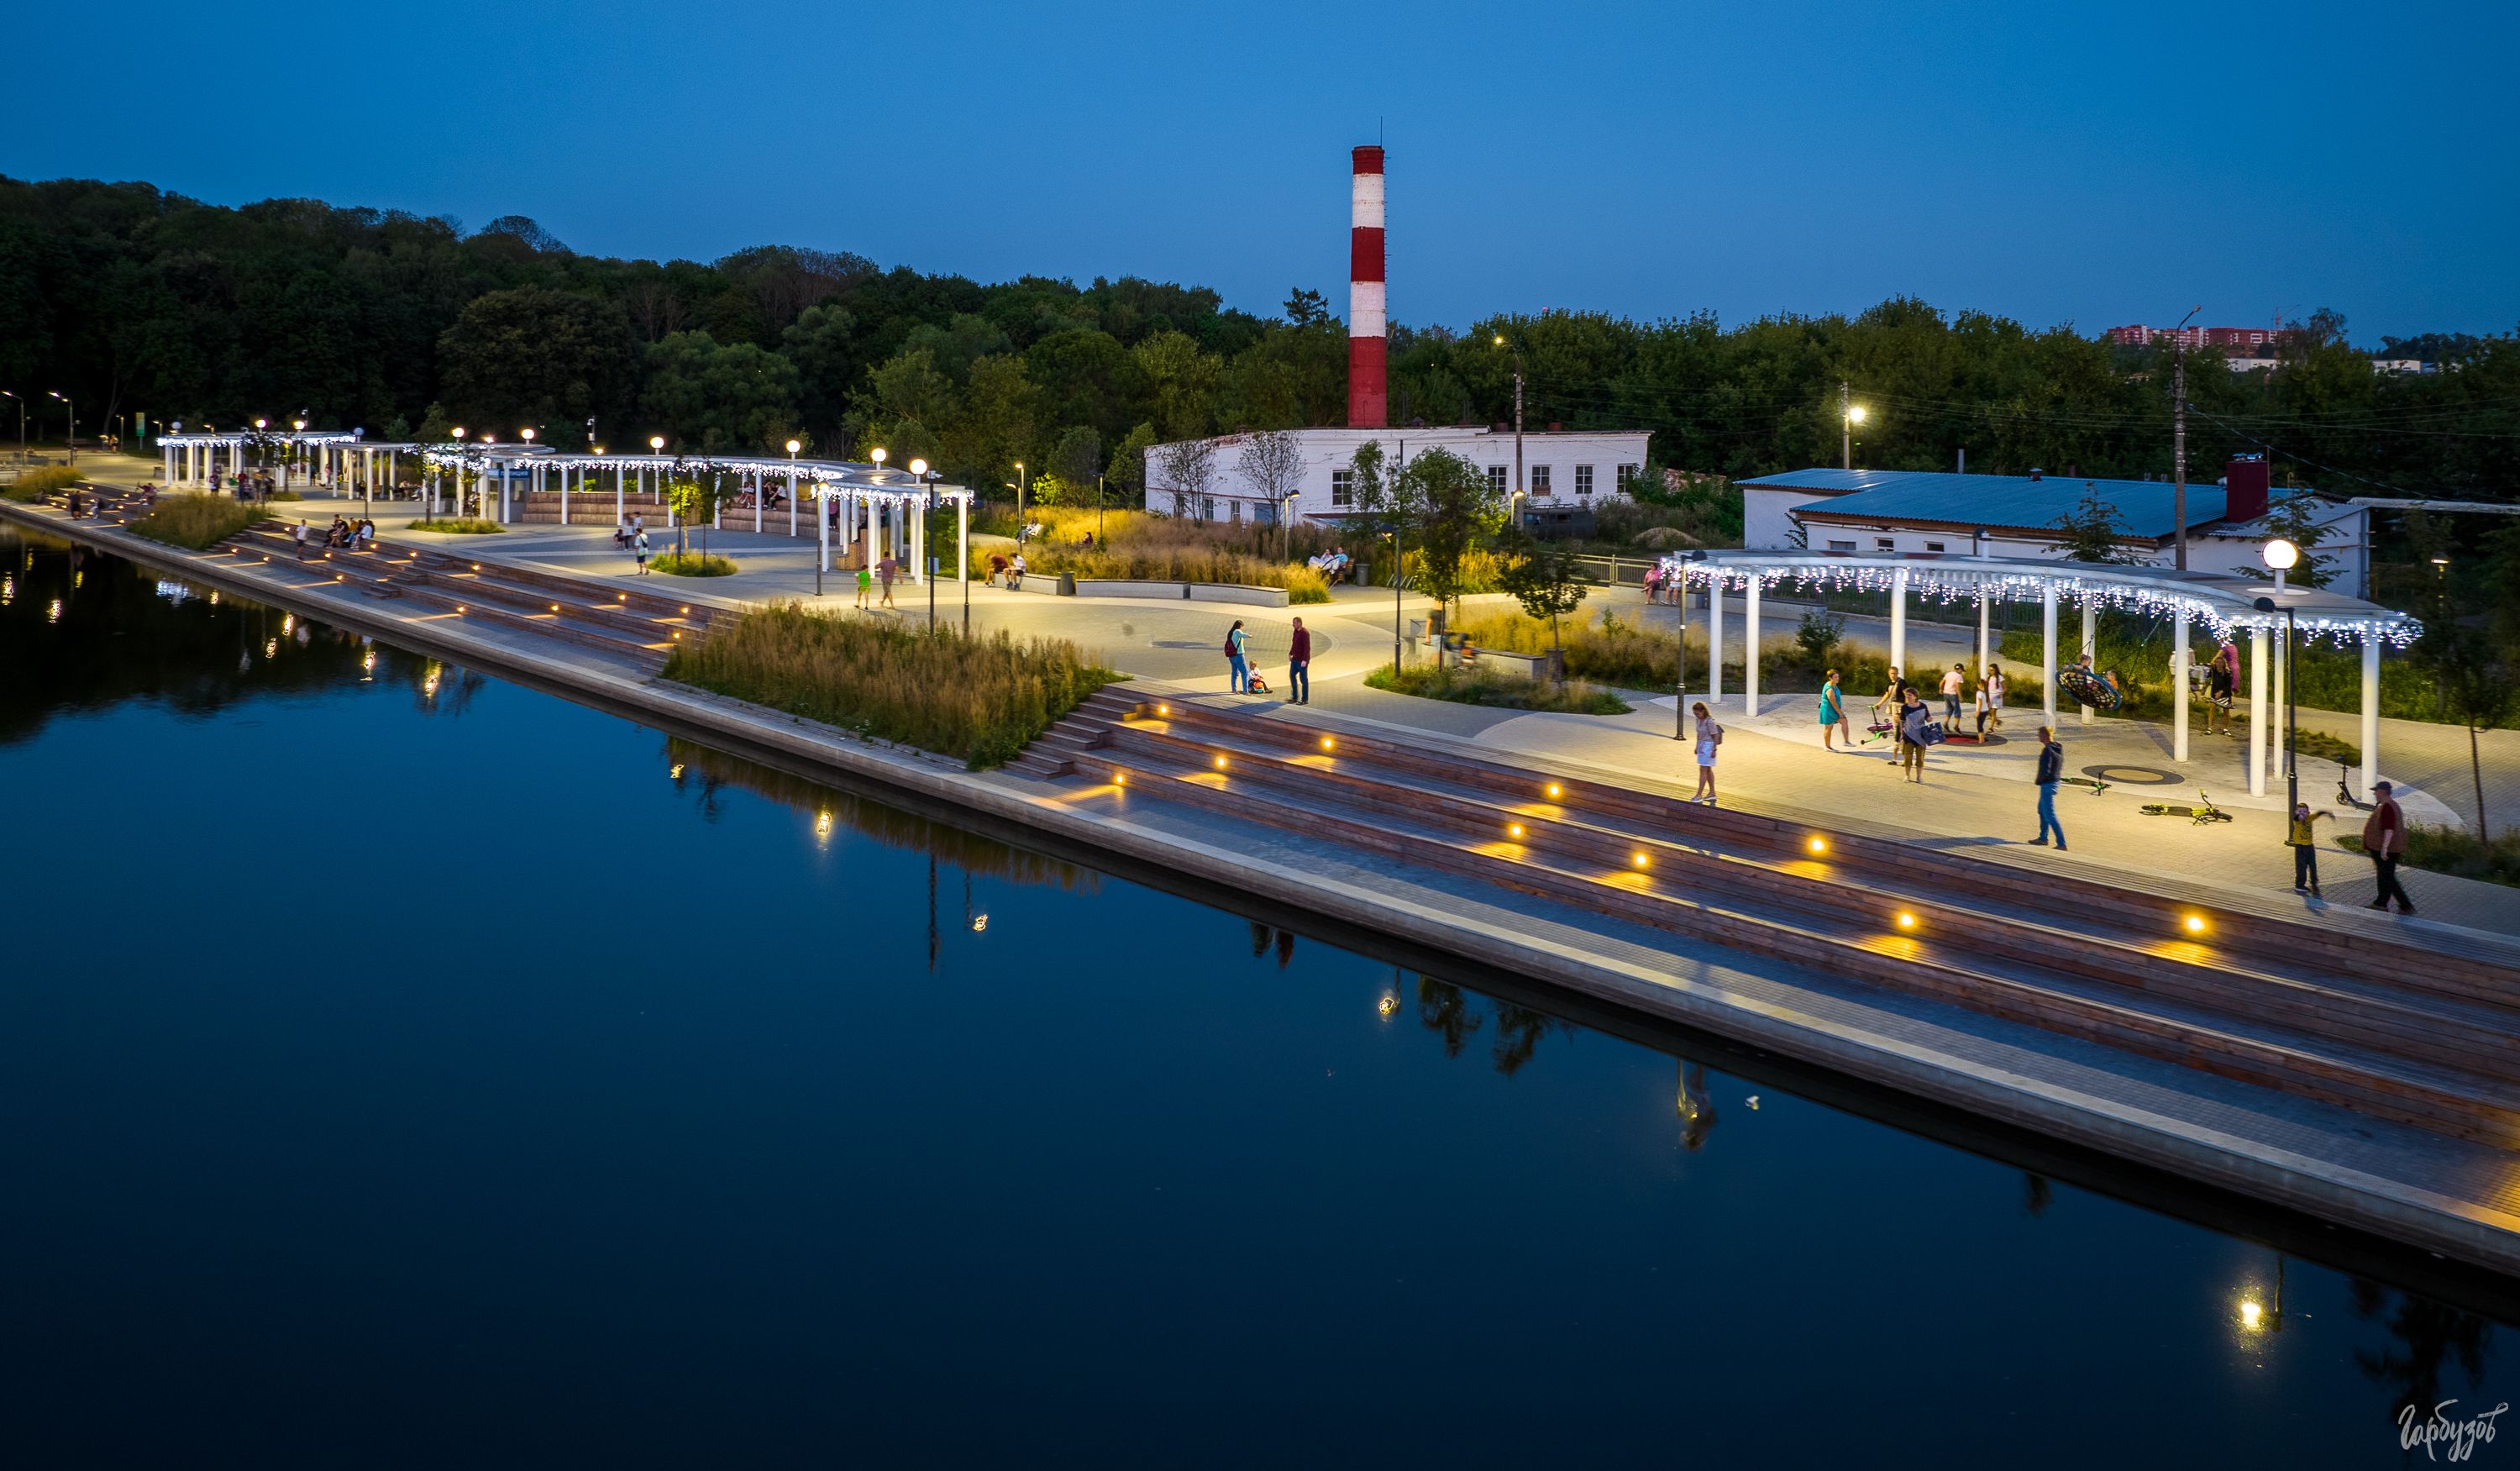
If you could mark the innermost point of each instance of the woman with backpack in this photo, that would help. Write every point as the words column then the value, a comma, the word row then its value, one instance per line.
column 1237, row 663
column 1710, row 737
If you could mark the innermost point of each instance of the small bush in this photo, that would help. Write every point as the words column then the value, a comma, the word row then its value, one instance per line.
column 458, row 526
column 1495, row 688
column 981, row 698
column 692, row 565
column 2447, row 850
column 196, row 521
column 31, row 486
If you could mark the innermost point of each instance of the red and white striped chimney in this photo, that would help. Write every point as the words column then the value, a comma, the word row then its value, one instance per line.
column 1366, row 401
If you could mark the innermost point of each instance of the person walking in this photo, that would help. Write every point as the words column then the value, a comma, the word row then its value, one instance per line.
column 1832, row 715
column 1985, row 705
column 1912, row 716
column 1994, row 699
column 1710, row 739
column 1237, row 662
column 2302, row 833
column 884, row 571
column 301, row 535
column 639, row 549
column 1954, row 683
column 1299, row 665
column 2384, row 837
column 2051, row 770
column 866, row 585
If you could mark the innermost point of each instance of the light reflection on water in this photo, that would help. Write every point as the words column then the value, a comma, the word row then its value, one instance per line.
column 389, row 1046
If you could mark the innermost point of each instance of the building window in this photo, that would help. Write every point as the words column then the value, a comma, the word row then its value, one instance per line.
column 1236, row 508
column 1342, row 487
column 1583, row 479
column 1628, row 476
column 1495, row 479
column 1539, row 479
column 1841, row 545
column 1884, row 544
column 1933, row 545
column 1207, row 507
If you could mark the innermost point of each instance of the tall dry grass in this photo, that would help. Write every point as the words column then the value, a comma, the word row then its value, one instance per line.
column 33, row 485
column 1137, row 547
column 981, row 699
column 196, row 521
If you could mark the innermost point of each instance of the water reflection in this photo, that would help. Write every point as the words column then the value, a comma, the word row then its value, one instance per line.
column 2429, row 1336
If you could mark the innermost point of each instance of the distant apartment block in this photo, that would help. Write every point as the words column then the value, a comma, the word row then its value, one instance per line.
column 2140, row 336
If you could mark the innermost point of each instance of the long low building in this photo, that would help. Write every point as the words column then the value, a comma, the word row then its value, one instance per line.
column 1563, row 469
column 1943, row 514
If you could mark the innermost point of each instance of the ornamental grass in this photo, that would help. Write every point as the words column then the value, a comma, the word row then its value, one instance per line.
column 31, row 486
column 981, row 698
column 196, row 521
column 1136, row 546
column 1496, row 689
column 457, row 525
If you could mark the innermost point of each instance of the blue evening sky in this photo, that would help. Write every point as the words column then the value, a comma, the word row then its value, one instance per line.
column 2091, row 163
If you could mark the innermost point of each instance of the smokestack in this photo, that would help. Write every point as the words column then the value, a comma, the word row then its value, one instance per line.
column 2244, row 488
column 1368, row 405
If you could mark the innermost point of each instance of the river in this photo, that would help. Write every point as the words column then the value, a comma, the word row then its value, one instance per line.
column 401, row 1067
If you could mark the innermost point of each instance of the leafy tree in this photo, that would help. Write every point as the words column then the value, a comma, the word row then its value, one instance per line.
column 1273, row 464
column 1542, row 578
column 1127, row 468
column 2292, row 519
column 540, row 358
column 1188, row 469
column 724, row 399
column 1457, row 508
column 2090, row 532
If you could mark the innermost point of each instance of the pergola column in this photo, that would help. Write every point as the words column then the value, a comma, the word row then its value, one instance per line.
column 2257, row 712
column 2370, row 711
column 620, row 495
column 1715, row 640
column 1750, row 647
column 822, row 530
column 791, row 505
column 2091, row 643
column 2178, row 661
column 1985, row 648
column 963, row 553
column 2047, row 654
column 1899, row 619
column 564, row 493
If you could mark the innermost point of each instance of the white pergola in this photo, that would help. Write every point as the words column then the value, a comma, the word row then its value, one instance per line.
column 2223, row 604
column 884, row 511
column 303, row 455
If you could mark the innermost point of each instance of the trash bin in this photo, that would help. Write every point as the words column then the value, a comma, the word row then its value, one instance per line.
column 1417, row 630
column 1066, row 584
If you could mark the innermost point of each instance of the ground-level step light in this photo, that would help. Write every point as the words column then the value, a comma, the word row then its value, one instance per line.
column 2222, row 605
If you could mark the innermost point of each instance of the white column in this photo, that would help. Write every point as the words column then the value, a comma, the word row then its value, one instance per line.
column 1985, row 648
column 563, row 492
column 917, row 518
column 2257, row 712
column 822, row 532
column 1714, row 641
column 2279, row 674
column 620, row 494
column 2370, row 711
column 792, row 504
column 2091, row 644
column 2047, row 654
column 1750, row 647
column 756, row 501
column 1899, row 622
column 962, row 544
column 2179, row 701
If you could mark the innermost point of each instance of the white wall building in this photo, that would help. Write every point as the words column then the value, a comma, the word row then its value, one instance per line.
column 1565, row 469
column 1927, row 513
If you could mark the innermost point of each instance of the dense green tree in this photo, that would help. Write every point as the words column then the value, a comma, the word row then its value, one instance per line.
column 719, row 399
column 541, row 358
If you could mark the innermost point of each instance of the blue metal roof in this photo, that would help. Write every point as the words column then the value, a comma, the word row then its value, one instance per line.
column 1992, row 501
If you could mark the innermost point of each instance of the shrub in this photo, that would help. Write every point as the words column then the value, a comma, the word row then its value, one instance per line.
column 981, row 698
column 196, row 521
column 458, row 526
column 692, row 565
column 1134, row 546
column 31, row 486
column 1496, row 688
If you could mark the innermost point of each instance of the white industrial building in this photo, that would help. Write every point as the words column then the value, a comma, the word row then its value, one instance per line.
column 1926, row 513
column 1563, row 469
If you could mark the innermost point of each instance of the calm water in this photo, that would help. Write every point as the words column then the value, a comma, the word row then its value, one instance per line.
column 399, row 1067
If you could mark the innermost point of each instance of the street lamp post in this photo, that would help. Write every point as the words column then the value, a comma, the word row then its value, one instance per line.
column 1849, row 415
column 1513, row 506
column 2281, row 556
column 1022, row 480
column 73, row 413
column 457, row 434
column 2179, row 439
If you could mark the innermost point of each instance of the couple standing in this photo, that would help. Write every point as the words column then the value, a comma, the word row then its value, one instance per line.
column 1299, row 662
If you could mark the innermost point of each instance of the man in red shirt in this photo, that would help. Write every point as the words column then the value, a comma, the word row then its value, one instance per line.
column 1299, row 665
column 2384, row 838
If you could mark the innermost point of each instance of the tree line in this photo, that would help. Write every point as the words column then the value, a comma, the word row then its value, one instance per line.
column 130, row 299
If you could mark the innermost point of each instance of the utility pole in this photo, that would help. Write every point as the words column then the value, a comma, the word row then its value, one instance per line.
column 1518, row 491
column 1845, row 428
column 2178, row 437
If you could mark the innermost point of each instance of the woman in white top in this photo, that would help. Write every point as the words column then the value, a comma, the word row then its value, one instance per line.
column 1709, row 737
column 1995, row 696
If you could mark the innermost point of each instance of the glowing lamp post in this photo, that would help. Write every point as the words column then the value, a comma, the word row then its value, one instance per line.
column 1846, row 435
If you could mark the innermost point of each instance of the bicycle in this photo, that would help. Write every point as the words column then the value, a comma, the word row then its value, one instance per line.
column 2197, row 815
